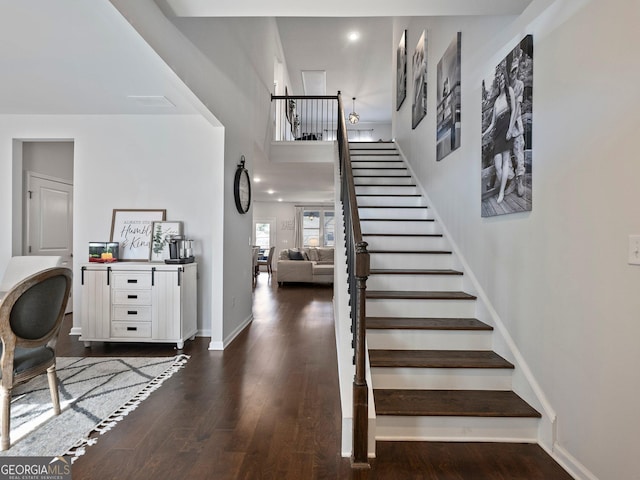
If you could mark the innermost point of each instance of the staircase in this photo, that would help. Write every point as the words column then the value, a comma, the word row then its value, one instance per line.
column 434, row 374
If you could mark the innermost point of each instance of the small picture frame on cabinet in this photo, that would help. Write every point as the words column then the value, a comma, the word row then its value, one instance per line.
column 161, row 234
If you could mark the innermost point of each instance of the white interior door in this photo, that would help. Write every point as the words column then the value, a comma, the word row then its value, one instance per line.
column 49, row 218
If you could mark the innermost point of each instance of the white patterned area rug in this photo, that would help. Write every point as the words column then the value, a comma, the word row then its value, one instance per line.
column 95, row 394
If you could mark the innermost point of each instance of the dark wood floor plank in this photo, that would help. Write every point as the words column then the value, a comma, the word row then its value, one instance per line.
column 464, row 461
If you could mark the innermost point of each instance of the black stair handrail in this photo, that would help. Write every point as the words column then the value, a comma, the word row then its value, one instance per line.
column 358, row 269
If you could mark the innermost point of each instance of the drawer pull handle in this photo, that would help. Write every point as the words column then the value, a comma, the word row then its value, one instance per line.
column 132, row 296
column 132, row 329
column 132, row 312
column 132, row 280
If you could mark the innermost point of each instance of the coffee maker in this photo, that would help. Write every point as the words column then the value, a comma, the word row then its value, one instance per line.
column 180, row 250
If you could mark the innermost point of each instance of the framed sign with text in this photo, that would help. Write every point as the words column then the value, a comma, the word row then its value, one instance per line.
column 132, row 229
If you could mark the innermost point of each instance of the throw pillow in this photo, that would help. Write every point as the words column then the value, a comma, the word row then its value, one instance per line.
column 313, row 254
column 295, row 255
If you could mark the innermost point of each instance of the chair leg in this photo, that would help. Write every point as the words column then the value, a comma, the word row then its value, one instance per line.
column 53, row 386
column 6, row 418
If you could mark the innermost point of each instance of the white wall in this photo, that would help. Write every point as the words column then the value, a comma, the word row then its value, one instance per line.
column 49, row 158
column 557, row 276
column 229, row 65
column 138, row 161
column 284, row 214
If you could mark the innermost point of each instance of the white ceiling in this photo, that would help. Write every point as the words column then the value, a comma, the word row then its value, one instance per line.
column 77, row 57
column 360, row 69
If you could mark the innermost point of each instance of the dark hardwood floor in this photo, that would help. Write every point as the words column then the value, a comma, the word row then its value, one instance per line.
column 268, row 408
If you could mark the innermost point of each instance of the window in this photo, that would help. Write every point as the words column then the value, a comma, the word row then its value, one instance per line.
column 318, row 228
column 263, row 236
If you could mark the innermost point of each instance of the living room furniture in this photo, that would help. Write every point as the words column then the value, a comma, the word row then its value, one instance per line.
column 139, row 302
column 31, row 313
column 309, row 264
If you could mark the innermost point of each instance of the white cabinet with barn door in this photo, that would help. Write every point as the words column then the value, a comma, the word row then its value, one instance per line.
column 138, row 302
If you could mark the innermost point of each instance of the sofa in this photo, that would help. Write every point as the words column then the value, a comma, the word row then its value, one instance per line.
column 311, row 265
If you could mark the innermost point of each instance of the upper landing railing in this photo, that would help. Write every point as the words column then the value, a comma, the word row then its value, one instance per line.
column 306, row 117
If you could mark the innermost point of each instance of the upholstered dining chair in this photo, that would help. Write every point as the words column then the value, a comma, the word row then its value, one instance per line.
column 31, row 314
column 268, row 262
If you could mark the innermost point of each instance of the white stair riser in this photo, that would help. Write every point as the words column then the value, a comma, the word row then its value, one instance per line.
column 428, row 340
column 390, row 201
column 442, row 378
column 411, row 260
column 383, row 162
column 376, row 242
column 399, row 227
column 456, row 429
column 415, row 282
column 380, row 190
column 410, row 213
column 383, row 180
column 420, row 308
column 394, row 172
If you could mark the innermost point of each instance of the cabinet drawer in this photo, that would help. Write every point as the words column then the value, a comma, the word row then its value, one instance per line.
column 138, row 313
column 131, row 280
column 132, row 297
column 130, row 330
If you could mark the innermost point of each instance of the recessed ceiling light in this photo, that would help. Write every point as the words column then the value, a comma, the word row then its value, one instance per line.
column 270, row 192
column 256, row 179
column 279, row 199
column 353, row 36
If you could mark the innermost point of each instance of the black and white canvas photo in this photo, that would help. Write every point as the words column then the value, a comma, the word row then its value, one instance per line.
column 401, row 71
column 448, row 99
column 506, row 133
column 419, row 107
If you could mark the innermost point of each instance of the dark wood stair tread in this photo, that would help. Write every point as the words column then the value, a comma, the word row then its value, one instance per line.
column 397, row 220
column 406, row 323
column 412, row 185
column 418, row 252
column 377, row 176
column 394, row 206
column 402, row 234
column 388, row 194
column 418, row 295
column 438, row 359
column 465, row 403
column 413, row 272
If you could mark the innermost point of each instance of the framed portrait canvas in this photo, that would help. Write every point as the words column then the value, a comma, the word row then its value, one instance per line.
column 162, row 233
column 419, row 107
column 448, row 99
column 401, row 71
column 132, row 230
column 507, row 124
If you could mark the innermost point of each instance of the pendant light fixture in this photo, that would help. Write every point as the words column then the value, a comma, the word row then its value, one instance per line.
column 353, row 116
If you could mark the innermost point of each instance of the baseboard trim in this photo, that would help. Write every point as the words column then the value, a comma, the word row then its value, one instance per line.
column 76, row 331
column 231, row 337
column 567, row 461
